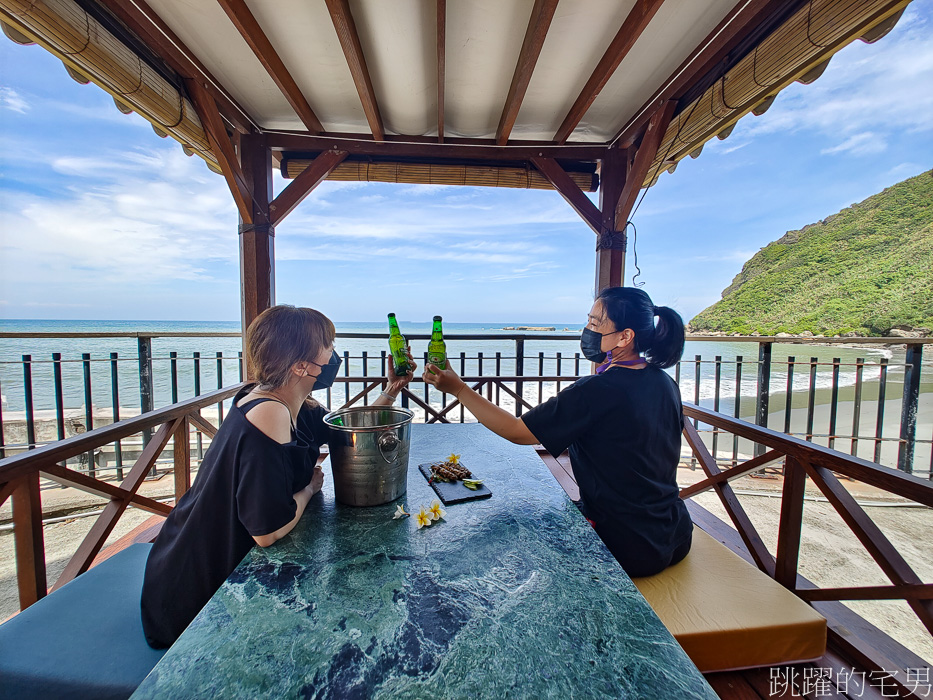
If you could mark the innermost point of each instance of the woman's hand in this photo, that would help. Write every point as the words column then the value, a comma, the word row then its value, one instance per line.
column 444, row 379
column 301, row 502
column 395, row 383
column 317, row 480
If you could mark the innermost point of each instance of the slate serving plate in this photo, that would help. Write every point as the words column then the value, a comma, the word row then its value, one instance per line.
column 456, row 492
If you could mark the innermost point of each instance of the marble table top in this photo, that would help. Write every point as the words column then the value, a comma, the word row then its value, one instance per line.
column 513, row 596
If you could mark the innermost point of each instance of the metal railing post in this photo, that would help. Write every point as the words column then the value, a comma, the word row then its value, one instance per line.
column 879, row 422
column 909, row 405
column 27, row 396
column 220, row 385
column 2, row 441
column 519, row 371
column 59, row 394
column 88, row 409
column 144, row 347
column 764, row 389
column 196, row 357
column 115, row 403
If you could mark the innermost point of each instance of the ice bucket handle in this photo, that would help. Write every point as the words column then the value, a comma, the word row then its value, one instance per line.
column 388, row 446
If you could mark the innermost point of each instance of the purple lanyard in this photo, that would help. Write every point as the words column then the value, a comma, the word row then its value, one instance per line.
column 618, row 363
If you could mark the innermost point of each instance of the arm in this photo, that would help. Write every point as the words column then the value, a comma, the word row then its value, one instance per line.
column 497, row 420
column 273, row 419
column 395, row 383
column 302, row 498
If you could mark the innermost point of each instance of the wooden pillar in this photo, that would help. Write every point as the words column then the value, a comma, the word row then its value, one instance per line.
column 623, row 172
column 611, row 239
column 29, row 542
column 257, row 239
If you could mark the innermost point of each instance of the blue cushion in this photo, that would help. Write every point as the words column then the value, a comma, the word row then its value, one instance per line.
column 85, row 640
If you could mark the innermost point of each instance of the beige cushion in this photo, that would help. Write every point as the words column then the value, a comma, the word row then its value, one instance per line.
column 727, row 614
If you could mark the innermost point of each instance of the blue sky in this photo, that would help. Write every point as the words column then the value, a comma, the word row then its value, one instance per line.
column 101, row 219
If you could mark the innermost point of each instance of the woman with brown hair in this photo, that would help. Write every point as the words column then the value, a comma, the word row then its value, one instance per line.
column 258, row 475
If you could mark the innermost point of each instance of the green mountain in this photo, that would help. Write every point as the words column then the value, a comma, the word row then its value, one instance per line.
column 863, row 271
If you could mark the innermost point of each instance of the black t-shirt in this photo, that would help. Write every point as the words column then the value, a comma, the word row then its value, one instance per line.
column 245, row 487
column 623, row 428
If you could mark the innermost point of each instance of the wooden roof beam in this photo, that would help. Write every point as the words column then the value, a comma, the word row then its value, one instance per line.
column 353, row 50
column 427, row 148
column 538, row 24
column 255, row 37
column 441, row 65
column 632, row 28
column 223, row 148
column 149, row 27
column 575, row 197
column 302, row 186
column 644, row 157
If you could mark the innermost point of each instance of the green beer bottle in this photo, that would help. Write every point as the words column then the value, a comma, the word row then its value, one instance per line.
column 437, row 349
column 398, row 348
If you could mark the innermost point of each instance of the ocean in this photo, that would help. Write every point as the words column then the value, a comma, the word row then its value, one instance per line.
column 546, row 356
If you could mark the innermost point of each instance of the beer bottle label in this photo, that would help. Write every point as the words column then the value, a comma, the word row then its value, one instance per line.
column 437, row 356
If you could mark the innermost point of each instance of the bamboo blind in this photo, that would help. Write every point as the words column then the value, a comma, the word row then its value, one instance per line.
column 441, row 174
column 68, row 32
column 795, row 50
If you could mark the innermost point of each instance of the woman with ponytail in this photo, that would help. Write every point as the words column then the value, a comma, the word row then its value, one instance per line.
column 622, row 426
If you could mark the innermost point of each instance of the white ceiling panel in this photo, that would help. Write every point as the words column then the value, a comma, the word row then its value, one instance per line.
column 208, row 33
column 305, row 39
column 400, row 46
column 671, row 36
column 578, row 37
column 484, row 40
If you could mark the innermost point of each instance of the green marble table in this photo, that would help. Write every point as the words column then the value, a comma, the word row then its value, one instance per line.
column 513, row 596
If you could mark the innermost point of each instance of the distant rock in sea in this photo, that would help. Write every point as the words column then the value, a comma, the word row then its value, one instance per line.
column 530, row 328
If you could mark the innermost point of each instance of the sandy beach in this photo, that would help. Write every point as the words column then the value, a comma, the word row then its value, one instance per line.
column 864, row 445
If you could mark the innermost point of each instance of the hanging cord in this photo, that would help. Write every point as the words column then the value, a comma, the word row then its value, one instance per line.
column 657, row 171
column 635, row 253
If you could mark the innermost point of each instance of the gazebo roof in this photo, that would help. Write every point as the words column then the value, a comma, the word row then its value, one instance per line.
column 480, row 73
column 484, row 39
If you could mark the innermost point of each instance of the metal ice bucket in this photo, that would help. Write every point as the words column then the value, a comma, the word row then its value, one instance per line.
column 369, row 453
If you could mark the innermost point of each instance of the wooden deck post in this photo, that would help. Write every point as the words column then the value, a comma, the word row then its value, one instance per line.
column 29, row 541
column 611, row 241
column 622, row 174
column 257, row 239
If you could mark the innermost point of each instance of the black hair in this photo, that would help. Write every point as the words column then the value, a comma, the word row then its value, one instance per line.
column 630, row 307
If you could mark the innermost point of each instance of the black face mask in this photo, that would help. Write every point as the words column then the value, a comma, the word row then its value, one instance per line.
column 325, row 379
column 591, row 344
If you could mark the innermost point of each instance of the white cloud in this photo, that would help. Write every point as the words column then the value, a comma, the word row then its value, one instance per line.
column 11, row 100
column 53, row 305
column 862, row 144
column 120, row 222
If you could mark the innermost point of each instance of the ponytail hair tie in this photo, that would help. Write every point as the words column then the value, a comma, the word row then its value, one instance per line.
column 654, row 310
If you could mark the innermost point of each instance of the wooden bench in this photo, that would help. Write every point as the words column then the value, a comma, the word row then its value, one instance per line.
column 85, row 640
column 723, row 611
column 728, row 615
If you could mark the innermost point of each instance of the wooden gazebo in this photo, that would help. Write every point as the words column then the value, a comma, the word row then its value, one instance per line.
column 576, row 96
